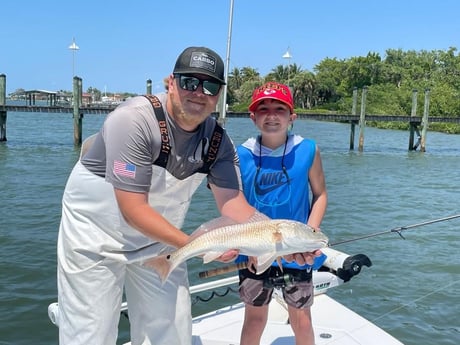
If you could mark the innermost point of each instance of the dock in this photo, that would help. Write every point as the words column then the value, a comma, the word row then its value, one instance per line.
column 97, row 109
column 102, row 109
column 78, row 109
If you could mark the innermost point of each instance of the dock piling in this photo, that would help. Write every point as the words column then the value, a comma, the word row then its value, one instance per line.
column 149, row 86
column 425, row 120
column 77, row 116
column 413, row 126
column 2, row 103
column 353, row 123
column 362, row 120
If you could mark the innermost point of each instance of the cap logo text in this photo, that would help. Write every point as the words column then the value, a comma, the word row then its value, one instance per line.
column 270, row 88
column 204, row 61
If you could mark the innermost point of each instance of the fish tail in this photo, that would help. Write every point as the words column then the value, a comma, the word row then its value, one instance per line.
column 161, row 265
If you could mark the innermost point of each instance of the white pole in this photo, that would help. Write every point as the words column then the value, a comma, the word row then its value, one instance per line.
column 73, row 47
column 223, row 111
column 288, row 56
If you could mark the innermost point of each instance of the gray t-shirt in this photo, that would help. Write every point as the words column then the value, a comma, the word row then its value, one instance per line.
column 129, row 142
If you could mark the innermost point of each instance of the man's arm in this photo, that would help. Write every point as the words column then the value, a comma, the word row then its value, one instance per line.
column 141, row 216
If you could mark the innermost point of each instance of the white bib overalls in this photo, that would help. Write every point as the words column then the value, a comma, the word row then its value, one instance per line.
column 99, row 255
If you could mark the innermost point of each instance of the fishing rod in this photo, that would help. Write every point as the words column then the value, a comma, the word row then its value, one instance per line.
column 398, row 230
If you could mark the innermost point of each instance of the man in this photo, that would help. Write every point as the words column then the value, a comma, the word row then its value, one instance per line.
column 126, row 200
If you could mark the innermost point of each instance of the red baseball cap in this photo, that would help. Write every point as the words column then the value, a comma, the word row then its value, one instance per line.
column 272, row 90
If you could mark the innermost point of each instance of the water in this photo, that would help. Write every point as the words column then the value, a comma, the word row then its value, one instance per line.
column 411, row 291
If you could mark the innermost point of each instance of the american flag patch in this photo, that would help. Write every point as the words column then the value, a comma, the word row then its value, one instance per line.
column 124, row 169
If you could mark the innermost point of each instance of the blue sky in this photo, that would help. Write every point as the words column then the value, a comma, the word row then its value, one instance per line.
column 122, row 44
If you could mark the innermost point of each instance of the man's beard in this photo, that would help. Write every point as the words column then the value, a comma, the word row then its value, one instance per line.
column 181, row 117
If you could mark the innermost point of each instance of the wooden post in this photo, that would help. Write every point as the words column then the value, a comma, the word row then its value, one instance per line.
column 2, row 103
column 149, row 86
column 411, row 125
column 77, row 117
column 353, row 124
column 425, row 120
column 362, row 121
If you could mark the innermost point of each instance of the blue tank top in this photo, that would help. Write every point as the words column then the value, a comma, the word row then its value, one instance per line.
column 276, row 181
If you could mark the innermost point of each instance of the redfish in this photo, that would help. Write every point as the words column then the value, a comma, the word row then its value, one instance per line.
column 266, row 240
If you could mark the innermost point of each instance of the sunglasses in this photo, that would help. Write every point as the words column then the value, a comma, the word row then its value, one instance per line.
column 189, row 83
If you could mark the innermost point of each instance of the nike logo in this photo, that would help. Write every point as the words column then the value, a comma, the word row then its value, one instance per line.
column 272, row 181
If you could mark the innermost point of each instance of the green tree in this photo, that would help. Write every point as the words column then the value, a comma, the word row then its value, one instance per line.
column 304, row 87
column 329, row 76
column 362, row 71
column 249, row 74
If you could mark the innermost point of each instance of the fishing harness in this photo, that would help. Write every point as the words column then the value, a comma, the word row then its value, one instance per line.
column 208, row 157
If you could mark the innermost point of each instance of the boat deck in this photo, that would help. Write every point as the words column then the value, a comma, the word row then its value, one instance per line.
column 333, row 324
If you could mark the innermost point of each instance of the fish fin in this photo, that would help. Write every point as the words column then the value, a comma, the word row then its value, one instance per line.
column 264, row 262
column 277, row 237
column 212, row 225
column 161, row 265
column 211, row 256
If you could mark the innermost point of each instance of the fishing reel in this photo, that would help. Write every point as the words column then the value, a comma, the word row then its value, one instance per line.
column 279, row 282
column 278, row 278
column 343, row 265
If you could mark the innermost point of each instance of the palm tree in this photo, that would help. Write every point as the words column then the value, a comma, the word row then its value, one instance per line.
column 304, row 89
column 249, row 74
column 235, row 79
column 278, row 74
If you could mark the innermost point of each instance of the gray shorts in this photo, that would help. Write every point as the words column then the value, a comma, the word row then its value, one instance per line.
column 256, row 292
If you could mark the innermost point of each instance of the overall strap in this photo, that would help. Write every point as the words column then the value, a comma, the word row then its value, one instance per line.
column 162, row 159
column 214, row 145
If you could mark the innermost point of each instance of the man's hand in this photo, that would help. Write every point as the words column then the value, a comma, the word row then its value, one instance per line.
column 303, row 258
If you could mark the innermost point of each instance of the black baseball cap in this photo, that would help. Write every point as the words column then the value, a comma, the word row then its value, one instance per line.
column 200, row 60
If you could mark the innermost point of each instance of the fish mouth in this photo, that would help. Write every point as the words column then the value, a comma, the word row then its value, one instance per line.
column 323, row 243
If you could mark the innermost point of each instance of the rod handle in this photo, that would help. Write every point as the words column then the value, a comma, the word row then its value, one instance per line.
column 222, row 270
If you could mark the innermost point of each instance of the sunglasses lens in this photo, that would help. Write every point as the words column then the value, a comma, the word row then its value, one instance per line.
column 210, row 88
column 189, row 83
